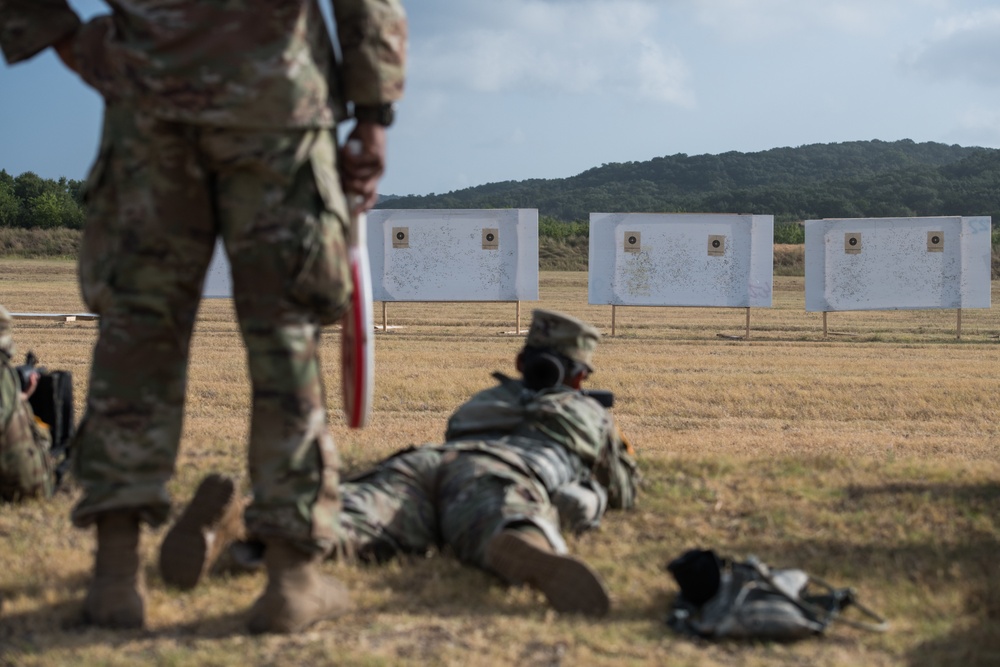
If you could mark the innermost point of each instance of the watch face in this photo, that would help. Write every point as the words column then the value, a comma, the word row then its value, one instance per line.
column 383, row 114
column 387, row 115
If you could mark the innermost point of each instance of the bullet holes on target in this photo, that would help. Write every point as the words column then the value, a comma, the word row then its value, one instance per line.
column 852, row 243
column 633, row 241
column 400, row 237
column 716, row 245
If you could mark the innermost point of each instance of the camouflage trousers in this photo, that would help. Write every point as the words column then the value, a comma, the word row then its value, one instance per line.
column 158, row 196
column 434, row 497
column 26, row 469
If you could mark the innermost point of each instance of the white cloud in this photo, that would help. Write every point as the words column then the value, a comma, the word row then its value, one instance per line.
column 659, row 73
column 980, row 120
column 964, row 47
column 755, row 19
column 584, row 47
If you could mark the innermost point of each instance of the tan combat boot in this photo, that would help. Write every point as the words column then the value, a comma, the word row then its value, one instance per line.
column 526, row 557
column 115, row 596
column 208, row 525
column 297, row 594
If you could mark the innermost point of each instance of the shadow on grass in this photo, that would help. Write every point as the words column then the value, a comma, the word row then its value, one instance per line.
column 435, row 587
column 61, row 624
column 441, row 586
column 977, row 646
column 910, row 572
column 930, row 567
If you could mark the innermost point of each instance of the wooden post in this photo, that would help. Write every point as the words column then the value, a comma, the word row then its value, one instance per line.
column 748, row 323
column 612, row 319
column 824, row 324
column 385, row 322
column 958, row 336
column 518, row 315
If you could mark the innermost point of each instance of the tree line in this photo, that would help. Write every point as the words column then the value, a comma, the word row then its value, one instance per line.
column 840, row 180
column 31, row 202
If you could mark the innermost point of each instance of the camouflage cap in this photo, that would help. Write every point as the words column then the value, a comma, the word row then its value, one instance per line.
column 6, row 340
column 564, row 333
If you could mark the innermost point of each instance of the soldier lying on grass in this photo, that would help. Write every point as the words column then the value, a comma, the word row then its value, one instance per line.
column 520, row 461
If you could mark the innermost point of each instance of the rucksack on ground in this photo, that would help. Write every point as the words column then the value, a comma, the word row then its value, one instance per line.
column 722, row 598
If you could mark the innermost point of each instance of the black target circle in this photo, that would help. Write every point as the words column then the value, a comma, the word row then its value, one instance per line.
column 853, row 241
column 400, row 236
column 632, row 240
column 716, row 243
column 490, row 237
column 935, row 239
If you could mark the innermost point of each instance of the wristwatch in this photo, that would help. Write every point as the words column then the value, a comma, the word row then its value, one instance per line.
column 383, row 114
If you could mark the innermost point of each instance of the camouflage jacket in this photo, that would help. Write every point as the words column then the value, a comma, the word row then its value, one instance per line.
column 229, row 63
column 25, row 466
column 560, row 435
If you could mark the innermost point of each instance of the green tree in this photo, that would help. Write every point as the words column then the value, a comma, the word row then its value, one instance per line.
column 44, row 211
column 29, row 185
column 10, row 205
column 54, row 209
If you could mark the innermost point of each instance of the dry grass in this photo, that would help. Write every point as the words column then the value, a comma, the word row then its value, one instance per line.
column 60, row 242
column 869, row 459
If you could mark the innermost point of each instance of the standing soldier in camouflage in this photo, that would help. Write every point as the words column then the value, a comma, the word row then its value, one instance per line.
column 219, row 123
column 520, row 461
column 26, row 469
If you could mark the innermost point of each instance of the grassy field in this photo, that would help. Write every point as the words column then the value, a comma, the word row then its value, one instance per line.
column 868, row 457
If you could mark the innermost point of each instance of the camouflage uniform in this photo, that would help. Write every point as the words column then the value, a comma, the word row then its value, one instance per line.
column 513, row 457
column 218, row 123
column 25, row 465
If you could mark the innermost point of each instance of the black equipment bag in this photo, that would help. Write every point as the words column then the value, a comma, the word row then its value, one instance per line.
column 52, row 402
column 721, row 598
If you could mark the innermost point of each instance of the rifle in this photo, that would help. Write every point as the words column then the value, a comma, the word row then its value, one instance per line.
column 603, row 396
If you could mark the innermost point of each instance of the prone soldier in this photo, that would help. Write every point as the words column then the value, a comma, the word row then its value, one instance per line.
column 520, row 462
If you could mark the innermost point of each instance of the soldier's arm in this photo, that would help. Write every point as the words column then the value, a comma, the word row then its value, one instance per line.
column 616, row 470
column 580, row 505
column 29, row 26
column 372, row 36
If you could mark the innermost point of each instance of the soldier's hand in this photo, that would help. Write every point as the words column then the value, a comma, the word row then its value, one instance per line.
column 30, row 389
column 362, row 164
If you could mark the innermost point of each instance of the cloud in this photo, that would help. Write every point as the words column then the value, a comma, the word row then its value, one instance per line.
column 964, row 47
column 756, row 19
column 584, row 47
column 980, row 118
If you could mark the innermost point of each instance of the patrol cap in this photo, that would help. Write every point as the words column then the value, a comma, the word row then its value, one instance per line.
column 563, row 333
column 6, row 340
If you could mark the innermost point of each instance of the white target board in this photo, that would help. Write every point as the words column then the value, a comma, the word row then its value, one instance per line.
column 453, row 255
column 218, row 280
column 681, row 259
column 897, row 263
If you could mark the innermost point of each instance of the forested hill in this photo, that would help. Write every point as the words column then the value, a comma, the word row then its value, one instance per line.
column 842, row 180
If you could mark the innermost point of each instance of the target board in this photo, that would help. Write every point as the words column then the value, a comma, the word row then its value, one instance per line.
column 453, row 255
column 897, row 263
column 681, row 259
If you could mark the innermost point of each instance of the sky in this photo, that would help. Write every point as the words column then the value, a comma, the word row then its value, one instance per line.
column 502, row 90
